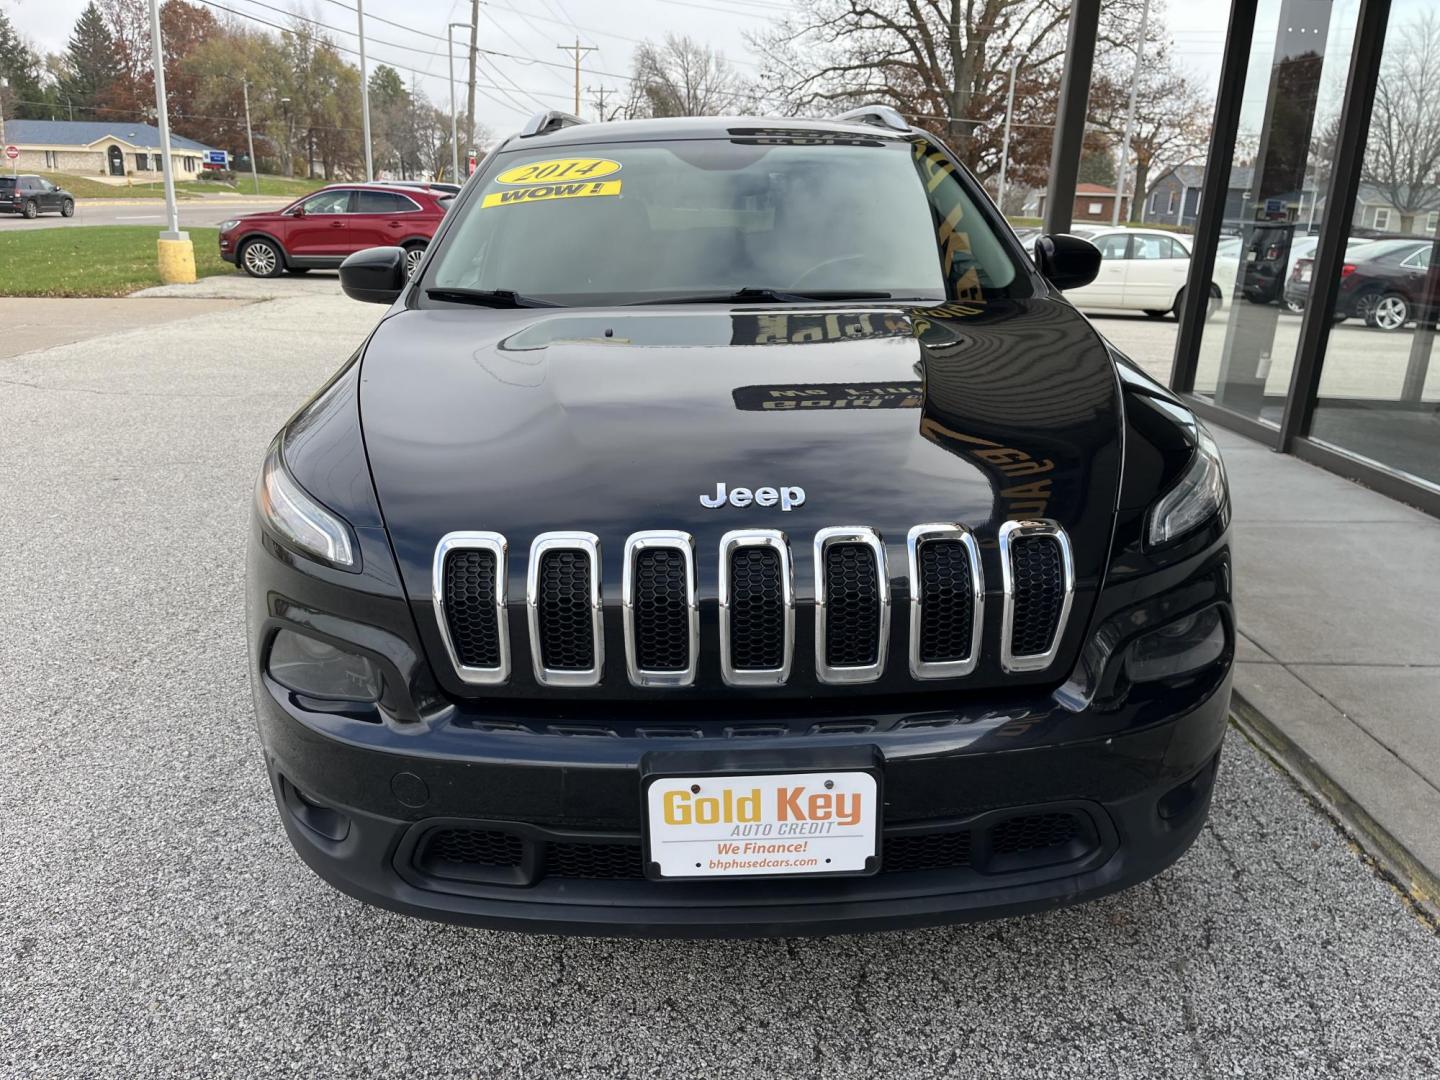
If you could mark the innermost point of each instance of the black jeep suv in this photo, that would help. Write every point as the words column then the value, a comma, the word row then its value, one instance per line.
column 731, row 531
column 33, row 196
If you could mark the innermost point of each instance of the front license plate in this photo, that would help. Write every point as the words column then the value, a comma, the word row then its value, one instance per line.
column 770, row 825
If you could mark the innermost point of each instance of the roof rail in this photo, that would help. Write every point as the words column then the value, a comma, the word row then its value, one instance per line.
column 878, row 115
column 542, row 123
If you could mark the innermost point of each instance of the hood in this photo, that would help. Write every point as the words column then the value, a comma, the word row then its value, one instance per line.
column 527, row 421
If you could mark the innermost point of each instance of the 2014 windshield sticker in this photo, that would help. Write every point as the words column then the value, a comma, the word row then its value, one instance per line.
column 547, row 192
column 559, row 170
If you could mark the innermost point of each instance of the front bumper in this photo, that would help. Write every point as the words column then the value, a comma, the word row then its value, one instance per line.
column 362, row 808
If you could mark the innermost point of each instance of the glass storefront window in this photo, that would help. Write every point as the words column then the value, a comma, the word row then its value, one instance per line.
column 1294, row 91
column 1379, row 396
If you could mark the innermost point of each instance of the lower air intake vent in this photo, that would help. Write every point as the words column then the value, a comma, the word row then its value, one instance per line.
column 926, row 851
column 598, row 861
column 1033, row 832
column 1039, row 582
column 470, row 612
column 452, row 848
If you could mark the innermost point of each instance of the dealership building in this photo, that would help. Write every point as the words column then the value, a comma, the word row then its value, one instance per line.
column 104, row 148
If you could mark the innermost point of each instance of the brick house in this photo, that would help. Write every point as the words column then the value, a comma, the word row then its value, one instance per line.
column 1093, row 202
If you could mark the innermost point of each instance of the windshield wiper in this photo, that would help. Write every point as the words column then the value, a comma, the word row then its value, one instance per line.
column 496, row 298
column 778, row 296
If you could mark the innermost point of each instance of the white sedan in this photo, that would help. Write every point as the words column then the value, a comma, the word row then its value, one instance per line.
column 1145, row 270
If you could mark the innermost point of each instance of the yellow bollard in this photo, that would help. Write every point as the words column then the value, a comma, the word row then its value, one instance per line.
column 177, row 262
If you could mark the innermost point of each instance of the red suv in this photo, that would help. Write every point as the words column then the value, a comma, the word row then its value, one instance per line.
column 322, row 228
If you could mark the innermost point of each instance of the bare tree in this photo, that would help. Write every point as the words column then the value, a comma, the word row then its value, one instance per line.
column 1402, row 156
column 945, row 64
column 683, row 77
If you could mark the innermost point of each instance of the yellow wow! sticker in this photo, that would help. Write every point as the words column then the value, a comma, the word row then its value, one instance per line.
column 547, row 192
column 557, row 170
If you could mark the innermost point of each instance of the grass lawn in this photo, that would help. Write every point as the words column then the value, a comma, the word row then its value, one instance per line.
column 84, row 187
column 104, row 260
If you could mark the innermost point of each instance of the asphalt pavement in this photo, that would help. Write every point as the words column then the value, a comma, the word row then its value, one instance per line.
column 154, row 921
column 194, row 213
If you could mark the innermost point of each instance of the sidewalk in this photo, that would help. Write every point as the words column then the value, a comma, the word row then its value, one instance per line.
column 1338, row 673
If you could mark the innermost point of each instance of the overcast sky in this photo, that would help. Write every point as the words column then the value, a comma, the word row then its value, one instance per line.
column 537, row 74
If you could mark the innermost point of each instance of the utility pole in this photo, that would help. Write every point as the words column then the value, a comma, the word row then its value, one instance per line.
column 176, row 255
column 365, row 91
column 249, row 136
column 1130, row 118
column 1005, row 144
column 474, row 60
column 454, row 136
column 599, row 100
column 577, row 50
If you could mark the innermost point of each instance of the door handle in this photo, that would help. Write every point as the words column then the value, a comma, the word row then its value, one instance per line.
column 394, row 224
column 337, row 224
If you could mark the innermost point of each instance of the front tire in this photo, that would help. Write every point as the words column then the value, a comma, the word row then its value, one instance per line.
column 67, row 208
column 1212, row 303
column 32, row 210
column 1389, row 312
column 262, row 259
column 1160, row 314
column 413, row 254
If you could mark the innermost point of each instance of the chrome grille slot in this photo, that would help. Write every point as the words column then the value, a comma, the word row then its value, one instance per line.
column 852, row 605
column 947, row 600
column 1039, row 580
column 469, row 589
column 662, row 617
column 567, row 642
column 757, row 608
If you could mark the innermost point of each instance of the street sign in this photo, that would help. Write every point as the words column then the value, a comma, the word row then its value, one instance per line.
column 12, row 152
column 217, row 157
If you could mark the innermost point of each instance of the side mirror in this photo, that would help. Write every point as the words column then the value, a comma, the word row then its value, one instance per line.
column 298, row 211
column 375, row 275
column 1068, row 262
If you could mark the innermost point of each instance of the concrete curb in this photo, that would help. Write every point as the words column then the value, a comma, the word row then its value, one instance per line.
column 1408, row 874
column 219, row 200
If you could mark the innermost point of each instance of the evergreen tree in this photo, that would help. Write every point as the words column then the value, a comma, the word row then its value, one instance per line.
column 20, row 67
column 89, row 60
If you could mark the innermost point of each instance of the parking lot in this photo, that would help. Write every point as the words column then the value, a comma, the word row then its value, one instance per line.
column 155, row 922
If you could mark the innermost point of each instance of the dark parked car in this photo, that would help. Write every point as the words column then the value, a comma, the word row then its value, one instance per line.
column 322, row 228
column 1386, row 283
column 695, row 549
column 33, row 196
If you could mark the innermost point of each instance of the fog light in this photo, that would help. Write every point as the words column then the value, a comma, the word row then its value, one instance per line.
column 1177, row 648
column 309, row 666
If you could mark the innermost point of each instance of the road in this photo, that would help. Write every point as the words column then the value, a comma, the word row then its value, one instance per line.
column 155, row 923
column 194, row 213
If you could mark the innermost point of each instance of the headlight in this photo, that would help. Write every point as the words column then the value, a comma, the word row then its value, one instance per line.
column 298, row 518
column 316, row 668
column 1200, row 493
column 226, row 226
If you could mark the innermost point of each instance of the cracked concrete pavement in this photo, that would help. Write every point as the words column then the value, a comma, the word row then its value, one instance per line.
column 154, row 922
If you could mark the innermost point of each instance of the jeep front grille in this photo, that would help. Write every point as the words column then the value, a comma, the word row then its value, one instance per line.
column 852, row 605
column 757, row 608
column 567, row 640
column 469, row 581
column 1039, row 583
column 756, row 603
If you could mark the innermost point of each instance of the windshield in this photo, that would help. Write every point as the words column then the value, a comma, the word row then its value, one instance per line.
column 705, row 219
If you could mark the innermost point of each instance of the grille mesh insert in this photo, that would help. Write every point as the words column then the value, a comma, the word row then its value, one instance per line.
column 926, row 851
column 662, row 617
column 757, row 609
column 1039, row 593
column 600, row 861
column 567, row 636
column 852, row 605
column 470, row 847
column 470, row 607
column 1033, row 832
column 946, row 601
